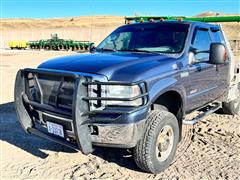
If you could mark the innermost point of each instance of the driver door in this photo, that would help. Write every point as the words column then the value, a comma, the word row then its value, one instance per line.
column 202, row 84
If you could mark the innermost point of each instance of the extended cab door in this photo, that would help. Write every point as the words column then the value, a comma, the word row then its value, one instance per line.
column 223, row 69
column 203, row 81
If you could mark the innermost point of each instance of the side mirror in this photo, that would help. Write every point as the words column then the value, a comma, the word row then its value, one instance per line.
column 92, row 49
column 217, row 53
column 193, row 50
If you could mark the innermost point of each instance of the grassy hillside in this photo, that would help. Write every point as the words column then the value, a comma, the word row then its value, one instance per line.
column 60, row 23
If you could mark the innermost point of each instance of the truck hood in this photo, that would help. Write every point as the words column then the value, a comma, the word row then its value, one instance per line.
column 116, row 65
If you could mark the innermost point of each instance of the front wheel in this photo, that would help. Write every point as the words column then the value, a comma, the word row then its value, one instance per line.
column 156, row 150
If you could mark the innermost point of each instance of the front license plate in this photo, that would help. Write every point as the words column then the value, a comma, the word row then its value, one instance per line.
column 55, row 129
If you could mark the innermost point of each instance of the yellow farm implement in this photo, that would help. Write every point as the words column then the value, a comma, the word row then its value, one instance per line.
column 18, row 44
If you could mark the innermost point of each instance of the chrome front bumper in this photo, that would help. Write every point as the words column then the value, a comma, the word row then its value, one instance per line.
column 118, row 135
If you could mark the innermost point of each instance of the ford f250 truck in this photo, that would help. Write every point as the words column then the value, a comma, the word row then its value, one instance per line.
column 133, row 90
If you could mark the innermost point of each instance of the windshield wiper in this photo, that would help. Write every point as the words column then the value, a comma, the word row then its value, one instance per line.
column 105, row 49
column 127, row 50
column 139, row 50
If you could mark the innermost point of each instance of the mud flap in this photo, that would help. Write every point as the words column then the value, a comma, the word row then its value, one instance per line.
column 21, row 111
column 81, row 130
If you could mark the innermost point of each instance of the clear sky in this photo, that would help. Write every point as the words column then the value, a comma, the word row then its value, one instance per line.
column 66, row 8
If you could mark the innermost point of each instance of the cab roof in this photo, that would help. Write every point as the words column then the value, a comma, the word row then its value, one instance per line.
column 193, row 23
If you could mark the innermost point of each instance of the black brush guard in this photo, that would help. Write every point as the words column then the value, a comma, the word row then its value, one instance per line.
column 80, row 106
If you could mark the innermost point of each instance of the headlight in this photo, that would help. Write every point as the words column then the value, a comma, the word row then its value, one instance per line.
column 119, row 91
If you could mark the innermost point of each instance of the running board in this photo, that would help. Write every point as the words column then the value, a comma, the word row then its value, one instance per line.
column 214, row 108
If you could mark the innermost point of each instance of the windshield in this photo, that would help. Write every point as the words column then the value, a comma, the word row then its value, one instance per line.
column 154, row 37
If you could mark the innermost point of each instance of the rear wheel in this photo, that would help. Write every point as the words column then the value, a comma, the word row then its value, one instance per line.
column 156, row 150
column 232, row 108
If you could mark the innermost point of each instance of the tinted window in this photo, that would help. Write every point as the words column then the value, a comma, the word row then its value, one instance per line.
column 162, row 40
column 202, row 42
column 154, row 37
column 217, row 36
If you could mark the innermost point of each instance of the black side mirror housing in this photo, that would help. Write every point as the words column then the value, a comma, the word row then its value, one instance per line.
column 193, row 50
column 217, row 53
column 92, row 49
column 196, row 51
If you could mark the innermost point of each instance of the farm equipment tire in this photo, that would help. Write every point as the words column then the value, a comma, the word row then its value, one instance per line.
column 47, row 47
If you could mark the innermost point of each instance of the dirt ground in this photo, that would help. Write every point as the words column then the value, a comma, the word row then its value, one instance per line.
column 209, row 150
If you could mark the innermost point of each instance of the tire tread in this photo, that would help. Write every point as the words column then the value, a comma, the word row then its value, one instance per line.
column 141, row 152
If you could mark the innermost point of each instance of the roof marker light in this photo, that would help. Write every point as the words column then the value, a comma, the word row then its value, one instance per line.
column 141, row 20
column 151, row 20
column 180, row 19
column 161, row 19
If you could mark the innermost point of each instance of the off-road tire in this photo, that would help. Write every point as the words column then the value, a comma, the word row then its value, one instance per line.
column 160, row 107
column 232, row 108
column 145, row 152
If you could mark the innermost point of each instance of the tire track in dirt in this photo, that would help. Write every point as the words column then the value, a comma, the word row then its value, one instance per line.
column 208, row 150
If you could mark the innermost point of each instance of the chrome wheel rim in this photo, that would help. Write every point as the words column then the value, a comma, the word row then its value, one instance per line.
column 164, row 143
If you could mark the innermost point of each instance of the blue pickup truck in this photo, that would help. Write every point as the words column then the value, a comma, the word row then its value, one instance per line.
column 133, row 90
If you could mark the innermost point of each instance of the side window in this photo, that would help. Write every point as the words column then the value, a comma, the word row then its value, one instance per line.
column 218, row 37
column 202, row 42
